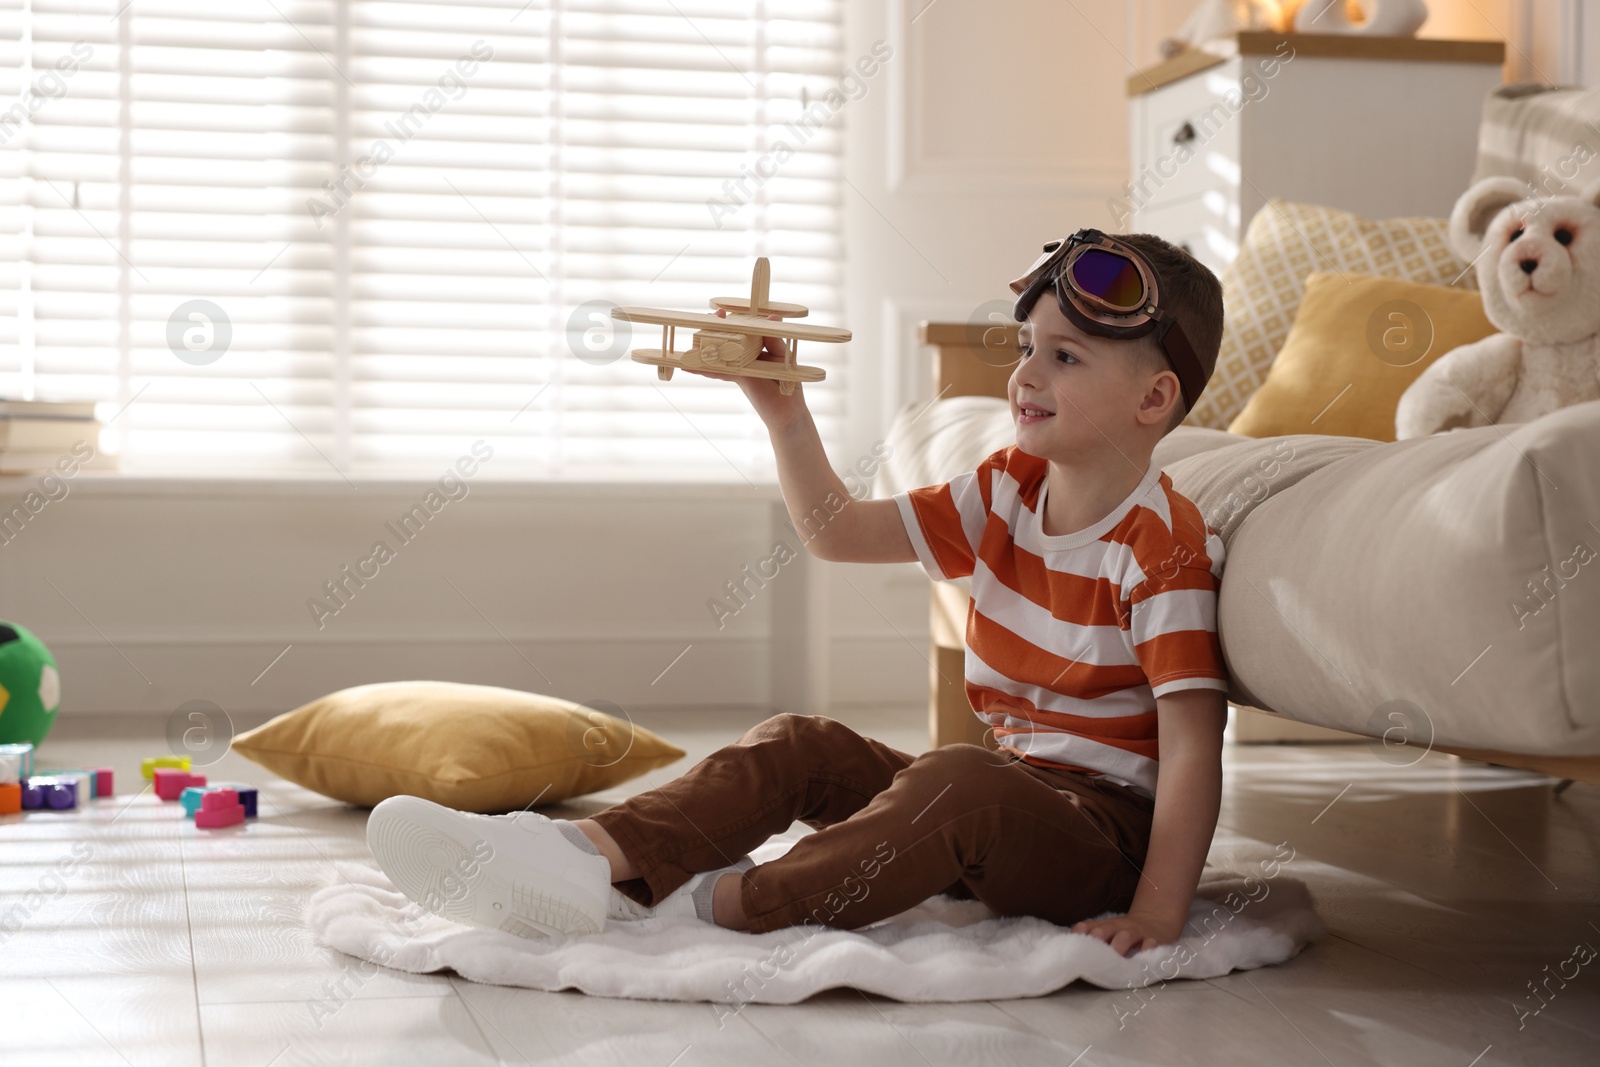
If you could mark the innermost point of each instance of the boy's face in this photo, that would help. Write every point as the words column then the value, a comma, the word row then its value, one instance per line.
column 1096, row 395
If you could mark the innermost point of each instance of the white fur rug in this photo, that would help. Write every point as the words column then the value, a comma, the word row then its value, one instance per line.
column 941, row 950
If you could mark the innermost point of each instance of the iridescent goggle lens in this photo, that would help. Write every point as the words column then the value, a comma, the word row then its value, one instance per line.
column 1109, row 277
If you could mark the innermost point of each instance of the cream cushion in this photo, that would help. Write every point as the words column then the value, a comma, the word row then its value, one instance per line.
column 1262, row 288
column 1449, row 572
column 1228, row 484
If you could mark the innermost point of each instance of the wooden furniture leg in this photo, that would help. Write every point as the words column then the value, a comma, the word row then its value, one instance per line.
column 950, row 717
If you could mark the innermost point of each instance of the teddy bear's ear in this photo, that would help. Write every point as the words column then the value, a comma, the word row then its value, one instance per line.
column 1477, row 208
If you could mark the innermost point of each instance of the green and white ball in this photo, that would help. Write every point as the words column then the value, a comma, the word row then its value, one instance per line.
column 30, row 686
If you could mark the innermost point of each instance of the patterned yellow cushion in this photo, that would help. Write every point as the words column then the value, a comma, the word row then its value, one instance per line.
column 1262, row 288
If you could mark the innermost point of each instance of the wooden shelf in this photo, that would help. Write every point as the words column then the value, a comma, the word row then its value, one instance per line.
column 1327, row 45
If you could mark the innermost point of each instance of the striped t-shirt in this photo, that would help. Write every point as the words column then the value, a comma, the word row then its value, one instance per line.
column 1071, row 637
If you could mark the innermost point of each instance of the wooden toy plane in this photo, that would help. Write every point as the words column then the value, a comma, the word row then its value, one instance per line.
column 731, row 345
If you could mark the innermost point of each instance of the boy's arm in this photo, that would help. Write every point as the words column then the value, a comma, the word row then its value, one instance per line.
column 1188, row 795
column 831, row 523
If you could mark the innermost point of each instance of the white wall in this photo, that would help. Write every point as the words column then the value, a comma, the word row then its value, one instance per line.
column 154, row 592
column 993, row 129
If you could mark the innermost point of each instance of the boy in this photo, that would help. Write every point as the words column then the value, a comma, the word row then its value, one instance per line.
column 1092, row 628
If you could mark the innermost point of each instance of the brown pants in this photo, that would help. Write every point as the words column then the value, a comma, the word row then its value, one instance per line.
column 892, row 829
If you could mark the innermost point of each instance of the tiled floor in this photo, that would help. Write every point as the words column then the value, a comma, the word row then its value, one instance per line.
column 126, row 936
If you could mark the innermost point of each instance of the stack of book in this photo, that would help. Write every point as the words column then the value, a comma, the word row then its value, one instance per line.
column 35, row 435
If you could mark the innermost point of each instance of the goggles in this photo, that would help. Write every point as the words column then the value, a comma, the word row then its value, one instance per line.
column 1105, row 288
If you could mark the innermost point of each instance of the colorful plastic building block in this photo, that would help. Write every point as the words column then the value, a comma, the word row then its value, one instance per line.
column 103, row 781
column 10, row 798
column 16, row 762
column 45, row 791
column 62, row 794
column 148, row 766
column 190, row 798
column 247, row 796
column 171, row 782
column 219, row 808
column 84, row 779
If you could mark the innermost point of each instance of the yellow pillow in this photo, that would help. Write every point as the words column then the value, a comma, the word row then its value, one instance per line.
column 471, row 747
column 1356, row 343
column 1263, row 286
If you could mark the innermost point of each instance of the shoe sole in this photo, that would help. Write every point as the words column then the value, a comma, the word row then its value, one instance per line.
column 432, row 856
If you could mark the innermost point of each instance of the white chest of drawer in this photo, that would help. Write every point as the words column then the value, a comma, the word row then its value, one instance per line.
column 1379, row 126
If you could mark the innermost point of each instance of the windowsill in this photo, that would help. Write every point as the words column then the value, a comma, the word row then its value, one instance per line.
column 281, row 483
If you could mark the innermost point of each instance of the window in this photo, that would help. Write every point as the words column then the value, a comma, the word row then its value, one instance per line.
column 273, row 235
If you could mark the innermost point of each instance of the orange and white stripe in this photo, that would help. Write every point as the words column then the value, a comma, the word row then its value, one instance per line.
column 1072, row 637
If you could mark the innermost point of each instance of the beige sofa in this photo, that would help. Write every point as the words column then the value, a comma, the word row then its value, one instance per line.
column 1442, row 593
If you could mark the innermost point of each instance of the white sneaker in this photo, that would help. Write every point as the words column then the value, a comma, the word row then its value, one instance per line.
column 680, row 902
column 622, row 908
column 516, row 873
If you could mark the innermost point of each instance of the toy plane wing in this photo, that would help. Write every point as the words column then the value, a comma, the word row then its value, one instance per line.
column 733, row 323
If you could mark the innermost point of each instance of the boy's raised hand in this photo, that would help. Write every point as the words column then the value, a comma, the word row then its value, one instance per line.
column 774, row 408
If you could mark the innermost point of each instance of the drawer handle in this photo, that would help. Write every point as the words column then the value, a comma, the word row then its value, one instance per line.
column 1184, row 134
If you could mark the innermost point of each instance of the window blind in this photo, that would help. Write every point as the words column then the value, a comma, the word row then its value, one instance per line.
column 362, row 234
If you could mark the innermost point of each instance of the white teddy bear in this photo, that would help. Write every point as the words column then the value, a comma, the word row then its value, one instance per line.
column 1538, row 263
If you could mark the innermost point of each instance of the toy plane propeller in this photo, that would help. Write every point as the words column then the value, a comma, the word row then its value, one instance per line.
column 732, row 345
